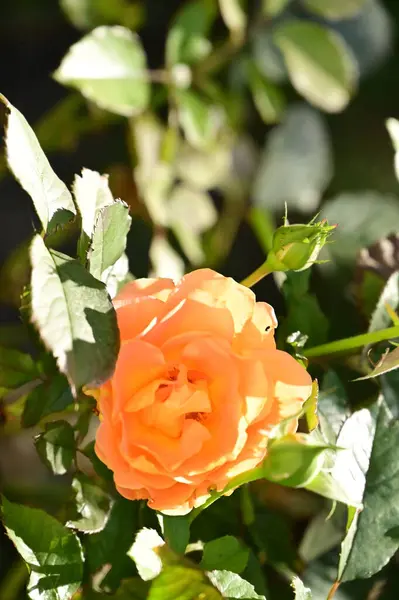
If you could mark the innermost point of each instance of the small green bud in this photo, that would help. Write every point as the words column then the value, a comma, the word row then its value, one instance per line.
column 294, row 460
column 296, row 247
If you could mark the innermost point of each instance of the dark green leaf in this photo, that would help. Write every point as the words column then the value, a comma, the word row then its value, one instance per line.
column 16, row 368
column 109, row 237
column 176, row 531
column 108, row 66
column 74, row 316
column 235, row 16
column 320, row 66
column 232, row 586
column 225, row 553
column 92, row 504
column 100, row 468
column 335, row 9
column 372, row 539
column 27, row 161
column 188, row 38
column 56, row 446
column 272, row 534
column 51, row 396
column 53, row 554
column 110, row 545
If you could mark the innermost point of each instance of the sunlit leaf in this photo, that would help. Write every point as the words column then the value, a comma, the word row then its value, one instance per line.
column 108, row 66
column 16, row 368
column 109, row 237
column 272, row 8
column 86, row 14
column 27, row 161
column 335, row 9
column 268, row 98
column 393, row 130
column 56, row 446
column 234, row 15
column 74, row 316
column 371, row 540
column 232, row 586
column 92, row 504
column 199, row 119
column 320, row 66
column 53, row 554
column 51, row 396
column 301, row 592
column 388, row 362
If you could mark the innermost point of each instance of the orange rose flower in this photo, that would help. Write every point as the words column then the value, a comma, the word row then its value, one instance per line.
column 197, row 389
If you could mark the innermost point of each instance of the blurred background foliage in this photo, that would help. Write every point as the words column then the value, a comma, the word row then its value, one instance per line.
column 209, row 116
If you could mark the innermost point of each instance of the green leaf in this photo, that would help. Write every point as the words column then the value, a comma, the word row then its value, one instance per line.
column 320, row 65
column 53, row 554
column 335, row 9
column 232, row 586
column 109, row 237
column 117, row 276
column 56, row 446
column 110, row 545
column 268, row 98
column 51, row 396
column 176, row 531
column 332, row 407
column 393, row 130
column 108, row 66
column 225, row 553
column 188, row 38
column 86, row 14
column 272, row 8
column 74, row 316
column 92, row 193
column 388, row 362
column 29, row 165
column 300, row 146
column 363, row 219
column 92, row 504
column 301, row 592
column 381, row 318
column 372, row 539
column 16, row 368
column 234, row 16
column 272, row 533
column 165, row 260
column 198, row 118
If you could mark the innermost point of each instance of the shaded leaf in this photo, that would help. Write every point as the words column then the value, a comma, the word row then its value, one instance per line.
column 108, row 66
column 92, row 504
column 117, row 276
column 272, row 8
column 53, row 554
column 199, row 119
column 301, row 147
column 109, row 237
column 16, row 368
column 165, row 260
column 56, row 446
column 320, row 65
column 74, row 316
column 335, row 9
column 176, row 531
column 234, row 15
column 51, row 396
column 225, row 553
column 27, row 161
column 188, row 37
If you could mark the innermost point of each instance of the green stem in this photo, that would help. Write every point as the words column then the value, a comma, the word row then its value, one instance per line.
column 257, row 275
column 352, row 343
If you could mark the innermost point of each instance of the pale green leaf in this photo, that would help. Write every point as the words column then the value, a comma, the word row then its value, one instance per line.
column 188, row 38
column 109, row 237
column 388, row 362
column 232, row 586
column 372, row 536
column 166, row 262
column 335, row 9
column 320, row 66
column 27, row 161
column 268, row 98
column 108, row 66
column 53, row 395
column 234, row 15
column 16, row 368
column 389, row 298
column 300, row 146
column 53, row 554
column 199, row 119
column 393, row 130
column 117, row 276
column 74, row 316
column 301, row 592
column 272, row 8
column 145, row 553
column 56, row 446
